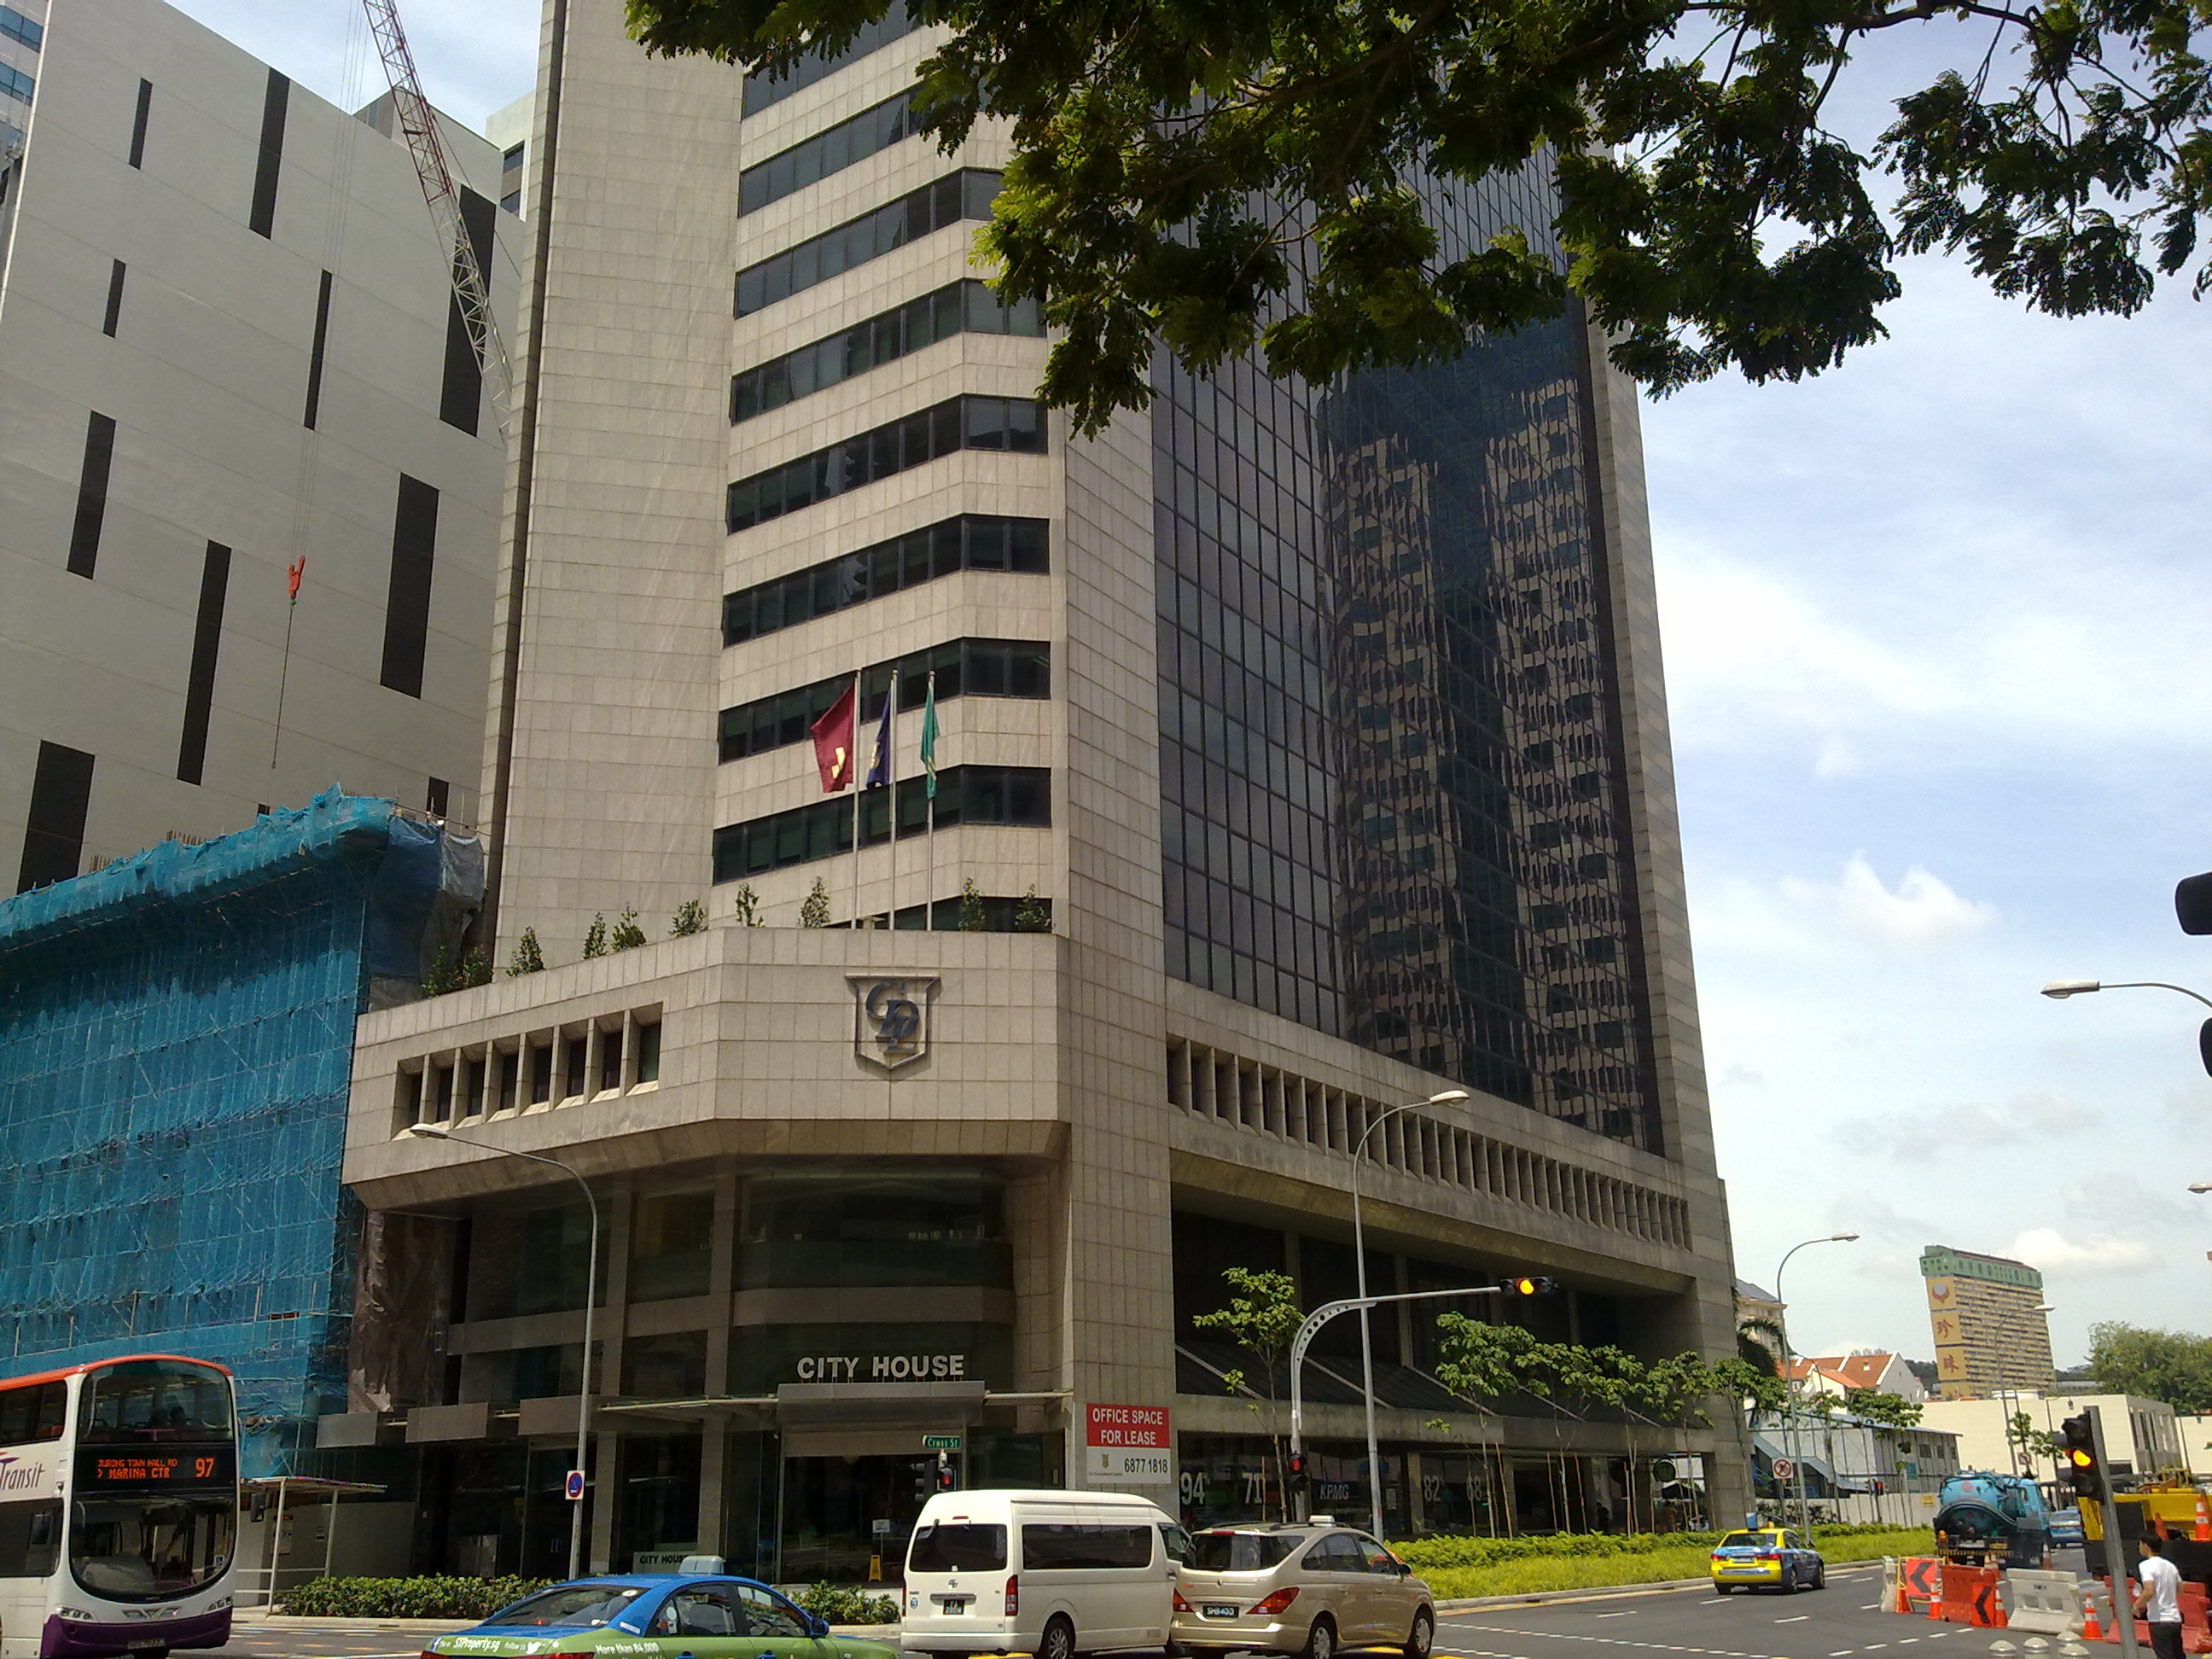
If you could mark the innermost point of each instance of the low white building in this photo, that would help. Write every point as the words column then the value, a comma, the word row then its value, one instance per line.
column 2141, row 1436
column 1855, row 1470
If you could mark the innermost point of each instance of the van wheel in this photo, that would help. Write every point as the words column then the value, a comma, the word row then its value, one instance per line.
column 1424, row 1636
column 1321, row 1641
column 1057, row 1641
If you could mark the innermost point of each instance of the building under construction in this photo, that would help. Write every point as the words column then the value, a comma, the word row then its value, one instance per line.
column 176, row 1041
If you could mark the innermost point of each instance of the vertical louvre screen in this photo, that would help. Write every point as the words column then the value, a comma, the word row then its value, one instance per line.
column 207, row 642
column 262, row 219
column 92, row 494
column 53, row 830
column 138, row 124
column 407, row 605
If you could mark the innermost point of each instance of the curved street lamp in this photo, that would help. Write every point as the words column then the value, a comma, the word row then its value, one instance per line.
column 435, row 1131
column 1788, row 1376
column 1443, row 1098
column 2059, row 989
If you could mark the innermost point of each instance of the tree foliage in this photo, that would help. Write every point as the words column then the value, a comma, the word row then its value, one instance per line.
column 1263, row 1318
column 529, row 956
column 2175, row 1366
column 1879, row 1405
column 1223, row 177
column 814, row 910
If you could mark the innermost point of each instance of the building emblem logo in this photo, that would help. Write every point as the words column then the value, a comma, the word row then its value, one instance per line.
column 891, row 1019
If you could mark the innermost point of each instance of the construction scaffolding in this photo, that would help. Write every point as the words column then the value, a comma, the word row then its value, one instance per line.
column 176, row 1050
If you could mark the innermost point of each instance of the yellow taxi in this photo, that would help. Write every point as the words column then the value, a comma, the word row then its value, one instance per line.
column 1778, row 1558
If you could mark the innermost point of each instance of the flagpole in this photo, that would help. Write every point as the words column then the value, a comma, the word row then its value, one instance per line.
column 859, row 789
column 891, row 784
column 929, row 804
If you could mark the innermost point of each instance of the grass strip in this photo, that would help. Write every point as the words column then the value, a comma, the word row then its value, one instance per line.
column 1533, row 1575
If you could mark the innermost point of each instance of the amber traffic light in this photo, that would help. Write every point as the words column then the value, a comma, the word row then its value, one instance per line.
column 1530, row 1284
column 2077, row 1457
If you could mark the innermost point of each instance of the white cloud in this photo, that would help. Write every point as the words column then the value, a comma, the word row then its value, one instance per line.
column 1922, row 910
column 2096, row 1254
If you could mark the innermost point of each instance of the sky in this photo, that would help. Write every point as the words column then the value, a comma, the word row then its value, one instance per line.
column 1936, row 630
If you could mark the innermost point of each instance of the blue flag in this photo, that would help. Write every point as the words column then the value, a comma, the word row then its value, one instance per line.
column 879, row 769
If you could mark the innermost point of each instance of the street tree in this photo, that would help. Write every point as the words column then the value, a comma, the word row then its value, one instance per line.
column 2175, row 1366
column 1263, row 1318
column 1218, row 178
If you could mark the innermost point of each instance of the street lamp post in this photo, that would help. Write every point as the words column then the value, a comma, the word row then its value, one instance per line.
column 2059, row 989
column 434, row 1132
column 1446, row 1098
column 1789, row 1375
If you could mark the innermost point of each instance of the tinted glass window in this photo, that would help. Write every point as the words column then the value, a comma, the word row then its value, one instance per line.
column 700, row 1610
column 1741, row 1540
column 569, row 1604
column 38, row 1413
column 1241, row 1552
column 151, row 1549
column 30, row 1539
column 768, row 1614
column 854, row 1229
column 961, row 1546
column 1050, row 1546
column 150, row 1399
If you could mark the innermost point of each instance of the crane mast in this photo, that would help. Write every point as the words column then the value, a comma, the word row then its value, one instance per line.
column 418, row 128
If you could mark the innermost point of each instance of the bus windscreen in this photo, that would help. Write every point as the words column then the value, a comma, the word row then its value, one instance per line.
column 151, row 1400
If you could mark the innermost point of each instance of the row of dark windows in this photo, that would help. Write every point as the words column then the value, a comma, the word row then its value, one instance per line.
column 762, row 91
column 966, row 195
column 972, row 542
column 830, row 150
column 965, row 794
column 957, row 424
column 982, row 668
column 966, row 307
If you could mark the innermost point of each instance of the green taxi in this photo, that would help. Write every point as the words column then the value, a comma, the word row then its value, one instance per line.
column 660, row 1616
column 1777, row 1558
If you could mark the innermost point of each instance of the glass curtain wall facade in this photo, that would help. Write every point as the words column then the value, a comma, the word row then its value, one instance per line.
column 1394, row 796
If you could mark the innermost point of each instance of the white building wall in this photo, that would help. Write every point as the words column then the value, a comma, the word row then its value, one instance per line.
column 206, row 376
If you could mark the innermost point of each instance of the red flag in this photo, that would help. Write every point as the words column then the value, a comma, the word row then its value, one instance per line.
column 833, row 744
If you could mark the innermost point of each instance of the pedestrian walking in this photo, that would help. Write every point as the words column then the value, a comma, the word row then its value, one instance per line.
column 2158, row 1598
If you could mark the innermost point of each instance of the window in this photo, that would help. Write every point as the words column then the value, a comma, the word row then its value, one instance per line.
column 860, row 1231
column 957, row 1547
column 572, row 1604
column 138, row 124
column 831, row 151
column 14, row 83
column 967, row 307
column 764, row 90
column 541, row 1073
column 700, row 1610
column 648, row 1053
column 768, row 1614
column 1019, row 795
column 17, row 26
column 990, row 668
column 968, row 543
column 573, row 1074
column 671, row 1238
column 1048, row 1546
column 957, row 424
column 966, row 195
column 30, row 1539
column 36, row 1412
column 610, row 1060
column 1240, row 1551
column 672, row 1366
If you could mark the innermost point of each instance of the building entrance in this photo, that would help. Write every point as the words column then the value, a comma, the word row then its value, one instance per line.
column 841, row 1513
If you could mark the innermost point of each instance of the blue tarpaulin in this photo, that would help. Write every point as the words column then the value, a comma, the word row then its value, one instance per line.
column 176, row 1048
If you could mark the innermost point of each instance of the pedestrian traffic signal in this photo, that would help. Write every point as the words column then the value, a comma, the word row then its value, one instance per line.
column 947, row 1479
column 1298, row 1471
column 1530, row 1284
column 2077, row 1458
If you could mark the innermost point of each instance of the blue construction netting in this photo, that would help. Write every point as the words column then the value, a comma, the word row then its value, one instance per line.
column 176, row 1047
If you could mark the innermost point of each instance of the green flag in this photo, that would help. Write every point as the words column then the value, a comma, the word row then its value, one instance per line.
column 929, row 738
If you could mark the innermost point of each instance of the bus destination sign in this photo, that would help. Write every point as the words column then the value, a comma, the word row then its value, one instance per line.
column 163, row 1467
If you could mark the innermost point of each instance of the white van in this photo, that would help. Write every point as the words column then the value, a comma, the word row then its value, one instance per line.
column 1050, row 1573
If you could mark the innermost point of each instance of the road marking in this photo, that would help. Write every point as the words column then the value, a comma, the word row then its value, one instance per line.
column 1630, row 1614
column 1796, row 1619
column 1715, row 1602
column 1843, row 1653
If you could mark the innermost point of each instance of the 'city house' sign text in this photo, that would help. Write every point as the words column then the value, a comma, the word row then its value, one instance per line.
column 883, row 1368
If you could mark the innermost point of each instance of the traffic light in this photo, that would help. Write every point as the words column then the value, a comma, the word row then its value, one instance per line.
column 1298, row 1471
column 2077, row 1458
column 946, row 1480
column 1530, row 1284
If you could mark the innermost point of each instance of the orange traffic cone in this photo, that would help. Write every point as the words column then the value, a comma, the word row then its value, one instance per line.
column 2202, row 1533
column 2091, row 1630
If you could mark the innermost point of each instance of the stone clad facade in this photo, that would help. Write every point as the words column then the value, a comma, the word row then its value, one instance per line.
column 1154, row 669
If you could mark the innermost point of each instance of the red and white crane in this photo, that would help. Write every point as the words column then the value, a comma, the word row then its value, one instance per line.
column 418, row 128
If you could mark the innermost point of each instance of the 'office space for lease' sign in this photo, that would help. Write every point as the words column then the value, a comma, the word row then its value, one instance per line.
column 1128, row 1443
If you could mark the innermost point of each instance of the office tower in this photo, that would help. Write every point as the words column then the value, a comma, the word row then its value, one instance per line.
column 1302, row 754
column 227, row 346
column 1987, row 1314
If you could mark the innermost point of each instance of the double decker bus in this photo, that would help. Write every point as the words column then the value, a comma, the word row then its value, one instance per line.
column 119, row 1509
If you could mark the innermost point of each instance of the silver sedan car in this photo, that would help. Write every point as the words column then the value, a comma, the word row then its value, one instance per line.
column 1307, row 1590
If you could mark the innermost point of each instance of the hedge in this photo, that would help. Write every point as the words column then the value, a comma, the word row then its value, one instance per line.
column 1425, row 1555
column 1673, row 1556
column 848, row 1607
column 405, row 1598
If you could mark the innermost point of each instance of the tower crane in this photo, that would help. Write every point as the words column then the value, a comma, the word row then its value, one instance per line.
column 418, row 128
